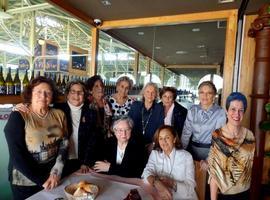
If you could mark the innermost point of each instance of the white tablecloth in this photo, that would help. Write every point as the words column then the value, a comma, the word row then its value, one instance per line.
column 111, row 187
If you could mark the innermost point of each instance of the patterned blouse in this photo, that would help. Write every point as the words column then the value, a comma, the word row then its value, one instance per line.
column 120, row 110
column 230, row 161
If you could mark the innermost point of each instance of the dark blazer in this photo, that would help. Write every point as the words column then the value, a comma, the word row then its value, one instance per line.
column 155, row 121
column 133, row 162
column 178, row 117
column 86, row 133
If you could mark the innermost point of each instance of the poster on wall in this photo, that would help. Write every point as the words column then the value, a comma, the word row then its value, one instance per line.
column 38, row 61
column 51, row 52
column 24, row 64
column 63, row 65
column 79, row 61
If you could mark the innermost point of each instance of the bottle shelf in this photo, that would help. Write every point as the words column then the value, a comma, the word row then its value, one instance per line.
column 15, row 99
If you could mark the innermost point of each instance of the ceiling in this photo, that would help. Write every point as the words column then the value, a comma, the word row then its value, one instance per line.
column 170, row 45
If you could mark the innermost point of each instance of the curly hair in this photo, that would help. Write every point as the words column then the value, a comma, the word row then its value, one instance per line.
column 92, row 80
column 168, row 89
column 125, row 78
column 27, row 93
column 82, row 84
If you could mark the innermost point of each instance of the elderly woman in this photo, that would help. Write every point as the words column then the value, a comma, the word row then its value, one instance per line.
column 231, row 155
column 175, row 114
column 37, row 141
column 147, row 115
column 201, row 121
column 81, row 123
column 81, row 128
column 124, row 155
column 98, row 103
column 120, row 102
column 170, row 169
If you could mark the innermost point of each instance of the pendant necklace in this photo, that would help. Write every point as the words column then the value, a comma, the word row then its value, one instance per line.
column 145, row 121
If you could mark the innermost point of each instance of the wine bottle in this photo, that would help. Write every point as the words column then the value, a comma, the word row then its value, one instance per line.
column 9, row 83
column 2, row 82
column 17, row 83
column 58, row 83
column 63, row 85
column 25, row 80
column 32, row 75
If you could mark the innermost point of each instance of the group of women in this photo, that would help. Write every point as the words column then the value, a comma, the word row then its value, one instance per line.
column 116, row 135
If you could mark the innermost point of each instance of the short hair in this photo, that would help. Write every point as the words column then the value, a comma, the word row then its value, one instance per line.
column 125, row 78
column 168, row 89
column 77, row 82
column 147, row 85
column 177, row 144
column 209, row 84
column 123, row 118
column 92, row 80
column 238, row 96
column 27, row 93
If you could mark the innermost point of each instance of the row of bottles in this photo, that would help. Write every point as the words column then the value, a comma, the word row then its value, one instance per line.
column 15, row 86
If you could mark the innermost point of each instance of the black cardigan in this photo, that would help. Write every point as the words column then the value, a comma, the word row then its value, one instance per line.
column 133, row 162
column 86, row 133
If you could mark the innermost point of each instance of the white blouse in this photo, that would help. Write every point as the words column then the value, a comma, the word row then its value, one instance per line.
column 179, row 166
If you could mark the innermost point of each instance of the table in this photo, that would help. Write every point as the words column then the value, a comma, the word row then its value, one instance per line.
column 111, row 187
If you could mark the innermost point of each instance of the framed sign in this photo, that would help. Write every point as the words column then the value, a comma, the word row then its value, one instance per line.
column 23, row 64
column 79, row 61
column 51, row 59
column 63, row 65
column 38, row 62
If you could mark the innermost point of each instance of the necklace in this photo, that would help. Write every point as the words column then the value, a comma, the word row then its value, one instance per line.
column 234, row 134
column 145, row 121
column 41, row 116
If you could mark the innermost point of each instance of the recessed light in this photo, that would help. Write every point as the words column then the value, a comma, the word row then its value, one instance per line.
column 200, row 46
column 203, row 56
column 106, row 2
column 196, row 29
column 158, row 48
column 140, row 33
column 225, row 1
column 181, row 52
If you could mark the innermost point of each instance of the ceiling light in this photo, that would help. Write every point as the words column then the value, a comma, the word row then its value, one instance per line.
column 196, row 29
column 158, row 48
column 200, row 46
column 140, row 33
column 225, row 1
column 203, row 56
column 181, row 52
column 106, row 2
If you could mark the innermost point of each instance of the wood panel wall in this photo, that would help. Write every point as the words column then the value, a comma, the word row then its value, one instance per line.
column 247, row 66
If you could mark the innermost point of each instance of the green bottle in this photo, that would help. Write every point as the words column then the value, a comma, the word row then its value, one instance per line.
column 25, row 80
column 2, row 82
column 10, row 83
column 17, row 83
column 32, row 75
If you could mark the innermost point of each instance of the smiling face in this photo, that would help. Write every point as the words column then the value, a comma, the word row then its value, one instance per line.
column 167, row 99
column 235, row 113
column 206, row 96
column 76, row 95
column 149, row 94
column 41, row 96
column 122, row 88
column 166, row 141
column 122, row 131
column 98, row 90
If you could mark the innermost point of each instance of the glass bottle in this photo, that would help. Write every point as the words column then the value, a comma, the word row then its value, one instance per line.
column 17, row 83
column 9, row 83
column 2, row 82
column 25, row 80
column 32, row 75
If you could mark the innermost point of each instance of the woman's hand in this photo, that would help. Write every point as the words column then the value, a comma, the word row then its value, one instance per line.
column 85, row 169
column 21, row 107
column 204, row 165
column 51, row 182
column 102, row 166
column 163, row 191
column 168, row 182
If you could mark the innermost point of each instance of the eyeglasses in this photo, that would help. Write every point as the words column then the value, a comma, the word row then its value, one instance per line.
column 80, row 93
column 123, row 130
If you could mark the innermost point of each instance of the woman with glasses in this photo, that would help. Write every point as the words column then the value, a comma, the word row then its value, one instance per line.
column 37, row 141
column 124, row 155
column 81, row 125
